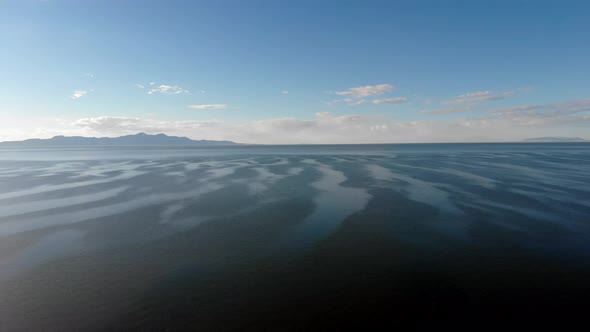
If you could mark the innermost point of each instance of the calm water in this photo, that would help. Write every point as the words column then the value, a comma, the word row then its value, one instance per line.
column 291, row 237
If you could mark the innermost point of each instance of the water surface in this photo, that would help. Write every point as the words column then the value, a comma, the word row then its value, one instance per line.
column 290, row 237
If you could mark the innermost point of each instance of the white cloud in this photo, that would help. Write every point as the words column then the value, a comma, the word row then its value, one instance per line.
column 326, row 127
column 366, row 91
column 358, row 95
column 89, row 75
column 479, row 96
column 285, row 92
column 79, row 94
column 208, row 107
column 168, row 90
column 396, row 100
column 141, row 86
column 108, row 124
column 569, row 118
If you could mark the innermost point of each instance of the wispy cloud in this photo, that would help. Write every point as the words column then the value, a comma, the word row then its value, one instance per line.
column 141, row 86
column 566, row 108
column 327, row 127
column 208, row 107
column 396, row 100
column 355, row 103
column 479, row 96
column 450, row 110
column 79, row 94
column 365, row 94
column 366, row 91
column 168, row 90
column 285, row 92
column 568, row 118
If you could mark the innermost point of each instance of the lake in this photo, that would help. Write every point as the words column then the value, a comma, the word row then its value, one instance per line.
column 291, row 237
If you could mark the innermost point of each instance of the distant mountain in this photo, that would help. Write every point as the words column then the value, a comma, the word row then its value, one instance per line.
column 129, row 140
column 555, row 139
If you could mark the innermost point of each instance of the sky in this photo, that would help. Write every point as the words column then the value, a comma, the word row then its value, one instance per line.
column 289, row 72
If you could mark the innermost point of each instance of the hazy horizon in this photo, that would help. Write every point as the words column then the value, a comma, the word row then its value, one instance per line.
column 267, row 72
column 557, row 139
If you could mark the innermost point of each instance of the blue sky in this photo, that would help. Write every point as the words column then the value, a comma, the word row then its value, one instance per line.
column 296, row 71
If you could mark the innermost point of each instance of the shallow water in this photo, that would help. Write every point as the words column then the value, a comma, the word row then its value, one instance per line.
column 289, row 237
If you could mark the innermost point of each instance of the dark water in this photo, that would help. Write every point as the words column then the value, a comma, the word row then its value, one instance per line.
column 293, row 238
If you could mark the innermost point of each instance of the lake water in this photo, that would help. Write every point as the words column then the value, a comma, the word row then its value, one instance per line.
column 290, row 237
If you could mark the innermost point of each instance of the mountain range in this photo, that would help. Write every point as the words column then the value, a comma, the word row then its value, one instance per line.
column 555, row 139
column 163, row 139
column 129, row 140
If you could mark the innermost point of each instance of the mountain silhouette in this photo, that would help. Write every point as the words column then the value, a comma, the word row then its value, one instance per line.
column 137, row 139
column 555, row 139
